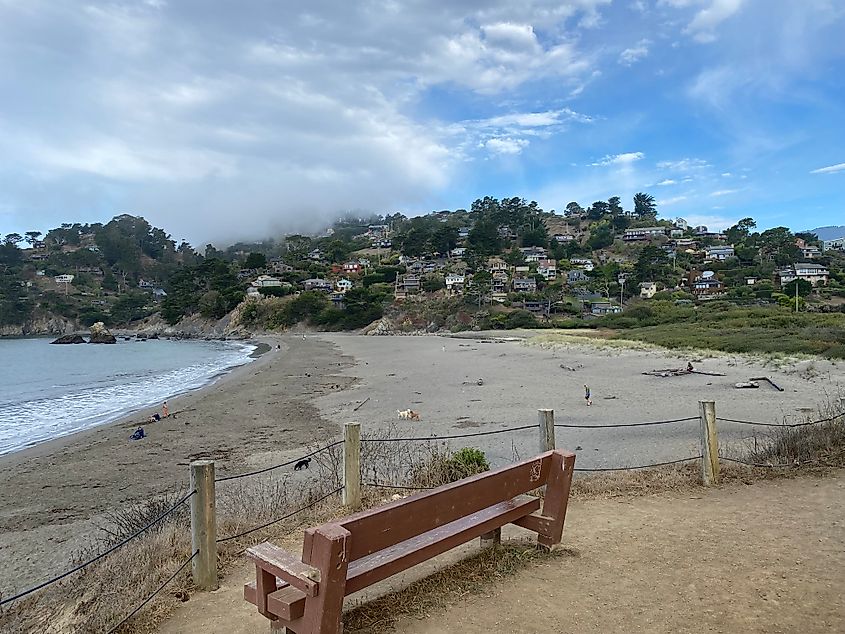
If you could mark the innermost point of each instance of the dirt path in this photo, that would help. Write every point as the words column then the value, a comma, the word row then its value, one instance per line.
column 763, row 558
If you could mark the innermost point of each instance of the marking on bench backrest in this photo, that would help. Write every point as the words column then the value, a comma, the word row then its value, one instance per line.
column 536, row 469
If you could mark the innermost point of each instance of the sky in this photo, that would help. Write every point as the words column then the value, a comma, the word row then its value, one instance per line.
column 221, row 121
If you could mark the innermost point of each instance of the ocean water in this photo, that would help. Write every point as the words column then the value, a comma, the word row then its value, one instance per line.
column 48, row 391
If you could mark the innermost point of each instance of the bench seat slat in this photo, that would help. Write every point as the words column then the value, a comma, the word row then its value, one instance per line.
column 389, row 561
column 286, row 566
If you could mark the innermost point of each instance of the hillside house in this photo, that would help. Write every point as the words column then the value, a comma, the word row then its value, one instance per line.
column 409, row 283
column 351, row 268
column 455, row 283
column 816, row 274
column 648, row 289
column 499, row 282
column 524, row 285
column 837, row 244
column 458, row 252
column 66, row 278
column 266, row 281
column 583, row 263
column 534, row 254
column 602, row 308
column 538, row 307
column 676, row 233
column 496, row 264
column 548, row 269
column 243, row 274
column 643, row 233
column 563, row 237
column 809, row 252
column 576, row 276
column 707, row 286
column 463, row 233
column 39, row 257
column 719, row 253
column 277, row 266
column 315, row 255
column 317, row 284
column 343, row 285
column 681, row 224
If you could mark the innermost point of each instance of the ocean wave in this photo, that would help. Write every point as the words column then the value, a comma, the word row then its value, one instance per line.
column 24, row 424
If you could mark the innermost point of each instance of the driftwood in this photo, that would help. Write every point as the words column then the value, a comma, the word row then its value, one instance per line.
column 361, row 404
column 680, row 372
column 749, row 384
column 770, row 382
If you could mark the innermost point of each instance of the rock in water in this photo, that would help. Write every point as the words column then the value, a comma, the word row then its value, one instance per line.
column 69, row 339
column 99, row 334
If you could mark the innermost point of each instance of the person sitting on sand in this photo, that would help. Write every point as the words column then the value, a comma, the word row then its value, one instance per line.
column 154, row 418
column 689, row 366
column 587, row 395
column 139, row 433
column 164, row 410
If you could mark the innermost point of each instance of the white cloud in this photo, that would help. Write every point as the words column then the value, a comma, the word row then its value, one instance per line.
column 830, row 169
column 667, row 202
column 723, row 192
column 666, row 182
column 713, row 223
column 684, row 165
column 505, row 145
column 619, row 159
column 634, row 54
column 703, row 25
column 726, row 174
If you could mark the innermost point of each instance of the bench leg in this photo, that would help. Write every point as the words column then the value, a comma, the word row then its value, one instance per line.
column 330, row 554
column 557, row 498
column 493, row 538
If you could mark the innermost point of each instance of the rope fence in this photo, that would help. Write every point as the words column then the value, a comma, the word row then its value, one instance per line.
column 120, row 544
column 150, row 598
column 617, row 425
column 821, row 421
column 278, row 466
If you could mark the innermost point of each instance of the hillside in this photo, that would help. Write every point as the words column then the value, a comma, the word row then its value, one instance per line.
column 829, row 233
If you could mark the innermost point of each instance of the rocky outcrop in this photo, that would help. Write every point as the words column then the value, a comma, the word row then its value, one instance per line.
column 41, row 325
column 70, row 339
column 100, row 334
column 381, row 327
column 192, row 327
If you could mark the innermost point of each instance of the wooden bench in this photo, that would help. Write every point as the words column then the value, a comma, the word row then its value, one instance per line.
column 347, row 555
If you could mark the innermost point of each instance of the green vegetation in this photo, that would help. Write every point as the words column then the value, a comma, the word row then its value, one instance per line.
column 722, row 326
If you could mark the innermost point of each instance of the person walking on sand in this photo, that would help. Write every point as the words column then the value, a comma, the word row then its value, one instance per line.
column 587, row 396
column 164, row 410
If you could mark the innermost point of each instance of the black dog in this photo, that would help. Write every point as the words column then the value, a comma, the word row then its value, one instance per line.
column 302, row 464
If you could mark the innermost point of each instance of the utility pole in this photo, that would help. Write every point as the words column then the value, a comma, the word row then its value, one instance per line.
column 796, row 294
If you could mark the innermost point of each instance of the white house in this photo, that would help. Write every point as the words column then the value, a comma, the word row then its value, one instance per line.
column 343, row 285
column 67, row 278
column 648, row 289
column 837, row 244
column 643, row 233
column 455, row 283
column 813, row 273
column 458, row 253
column 266, row 281
column 681, row 224
column 719, row 253
column 583, row 263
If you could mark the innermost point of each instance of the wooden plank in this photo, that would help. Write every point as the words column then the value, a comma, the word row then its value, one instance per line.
column 557, row 498
column 265, row 583
column 538, row 523
column 329, row 553
column 404, row 519
column 385, row 563
column 288, row 603
column 287, row 567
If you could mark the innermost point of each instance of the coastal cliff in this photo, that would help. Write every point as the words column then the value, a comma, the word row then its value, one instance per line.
column 43, row 325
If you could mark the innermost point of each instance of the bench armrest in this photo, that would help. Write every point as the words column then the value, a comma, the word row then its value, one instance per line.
column 285, row 566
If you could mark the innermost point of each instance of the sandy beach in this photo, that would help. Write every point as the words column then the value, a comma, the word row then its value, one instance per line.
column 56, row 493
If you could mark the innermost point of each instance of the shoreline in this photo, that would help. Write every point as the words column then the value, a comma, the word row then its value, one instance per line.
column 261, row 348
column 57, row 494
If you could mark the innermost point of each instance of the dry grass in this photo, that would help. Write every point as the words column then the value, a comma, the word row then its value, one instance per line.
column 438, row 591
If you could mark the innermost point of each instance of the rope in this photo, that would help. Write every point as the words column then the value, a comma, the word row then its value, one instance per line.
column 278, row 466
column 655, row 422
column 160, row 588
column 395, row 486
column 284, row 517
column 785, row 425
column 645, row 466
column 767, row 465
column 471, row 435
column 101, row 555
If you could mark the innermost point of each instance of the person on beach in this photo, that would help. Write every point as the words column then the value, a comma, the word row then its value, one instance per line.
column 689, row 366
column 587, row 396
column 164, row 410
column 155, row 418
column 139, row 433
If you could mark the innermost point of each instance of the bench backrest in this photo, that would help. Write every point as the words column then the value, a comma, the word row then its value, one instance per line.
column 379, row 528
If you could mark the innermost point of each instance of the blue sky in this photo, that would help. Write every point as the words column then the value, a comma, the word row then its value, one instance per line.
column 221, row 121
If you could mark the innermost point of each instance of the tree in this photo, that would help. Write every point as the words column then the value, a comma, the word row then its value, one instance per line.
column 778, row 245
column 444, row 239
column 573, row 209
column 32, row 237
column 644, row 205
column 650, row 263
column 597, row 210
column 804, row 288
column 484, row 238
column 13, row 238
column 255, row 261
column 601, row 237
column 479, row 290
column 740, row 231
column 614, row 206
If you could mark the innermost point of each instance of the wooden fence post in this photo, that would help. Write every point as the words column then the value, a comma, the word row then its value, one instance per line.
column 546, row 419
column 709, row 443
column 352, row 465
column 204, row 525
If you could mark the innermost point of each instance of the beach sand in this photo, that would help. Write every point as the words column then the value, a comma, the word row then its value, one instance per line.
column 55, row 494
